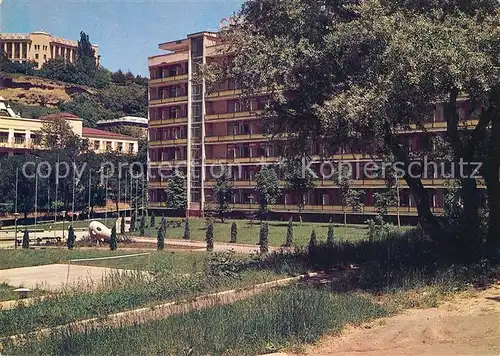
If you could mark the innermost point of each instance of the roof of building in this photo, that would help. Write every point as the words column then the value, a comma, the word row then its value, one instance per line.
column 125, row 120
column 60, row 115
column 87, row 131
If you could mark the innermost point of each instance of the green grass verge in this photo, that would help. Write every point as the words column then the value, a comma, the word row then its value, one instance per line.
column 6, row 292
column 249, row 233
column 125, row 291
column 269, row 322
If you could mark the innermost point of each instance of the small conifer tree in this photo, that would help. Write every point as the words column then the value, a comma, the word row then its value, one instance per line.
column 142, row 226
column 209, row 236
column 187, row 231
column 161, row 239
column 263, row 238
column 26, row 239
column 313, row 243
column 234, row 233
column 132, row 223
column 71, row 238
column 122, row 225
column 331, row 235
column 113, row 243
column 152, row 223
column 289, row 234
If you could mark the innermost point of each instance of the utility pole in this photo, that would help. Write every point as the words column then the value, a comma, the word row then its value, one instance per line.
column 36, row 199
column 90, row 189
column 73, row 203
column 16, row 214
column 55, row 201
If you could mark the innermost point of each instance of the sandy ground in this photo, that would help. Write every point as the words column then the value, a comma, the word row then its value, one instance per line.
column 464, row 326
column 53, row 277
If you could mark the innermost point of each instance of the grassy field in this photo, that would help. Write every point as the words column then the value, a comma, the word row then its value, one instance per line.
column 249, row 233
column 269, row 322
column 172, row 276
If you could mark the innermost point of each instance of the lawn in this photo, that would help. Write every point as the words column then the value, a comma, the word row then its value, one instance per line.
column 266, row 323
column 249, row 233
column 26, row 258
column 6, row 292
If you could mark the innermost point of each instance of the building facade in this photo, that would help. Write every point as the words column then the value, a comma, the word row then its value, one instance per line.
column 197, row 132
column 39, row 47
column 20, row 135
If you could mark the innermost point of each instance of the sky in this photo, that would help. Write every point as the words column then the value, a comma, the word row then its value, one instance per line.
column 127, row 31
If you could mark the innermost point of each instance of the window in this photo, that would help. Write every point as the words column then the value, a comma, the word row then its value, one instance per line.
column 44, row 57
column 97, row 145
column 233, row 106
column 120, row 147
column 196, row 92
column 174, row 113
column 174, row 91
column 44, row 48
column 108, row 145
column 173, row 71
column 36, row 55
column 196, row 112
column 130, row 147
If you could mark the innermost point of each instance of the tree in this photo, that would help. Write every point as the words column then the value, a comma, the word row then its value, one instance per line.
column 289, row 234
column 267, row 189
column 313, row 244
column 339, row 60
column 71, row 238
column 234, row 233
column 298, row 181
column 113, row 242
column 132, row 223
column 163, row 222
column 161, row 239
column 142, row 226
column 223, row 193
column 209, row 236
column 187, row 231
column 56, row 133
column 350, row 197
column 152, row 223
column 26, row 239
column 330, row 240
column 263, row 238
column 122, row 225
column 85, row 54
column 176, row 192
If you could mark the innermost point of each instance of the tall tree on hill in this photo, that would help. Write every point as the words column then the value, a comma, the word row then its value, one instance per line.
column 362, row 72
column 85, row 54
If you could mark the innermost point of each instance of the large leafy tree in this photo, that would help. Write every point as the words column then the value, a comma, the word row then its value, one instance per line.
column 365, row 71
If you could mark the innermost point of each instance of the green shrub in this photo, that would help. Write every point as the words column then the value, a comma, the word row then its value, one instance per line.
column 330, row 240
column 26, row 239
column 289, row 234
column 71, row 238
column 187, row 231
column 209, row 237
column 161, row 239
column 122, row 225
column 113, row 244
column 142, row 226
column 152, row 223
column 234, row 233
column 132, row 223
column 313, row 244
column 263, row 238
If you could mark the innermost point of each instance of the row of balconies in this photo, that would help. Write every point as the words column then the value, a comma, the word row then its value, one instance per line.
column 355, row 183
column 20, row 142
column 338, row 209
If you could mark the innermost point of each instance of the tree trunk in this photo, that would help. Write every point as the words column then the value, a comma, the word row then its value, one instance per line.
column 468, row 191
column 300, row 214
column 428, row 220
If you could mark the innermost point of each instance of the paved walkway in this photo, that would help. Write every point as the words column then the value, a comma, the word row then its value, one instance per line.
column 202, row 246
column 53, row 277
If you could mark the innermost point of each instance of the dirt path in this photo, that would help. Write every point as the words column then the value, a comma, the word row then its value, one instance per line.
column 464, row 326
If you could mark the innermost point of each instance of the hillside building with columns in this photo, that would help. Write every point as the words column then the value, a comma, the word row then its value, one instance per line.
column 19, row 135
column 39, row 47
